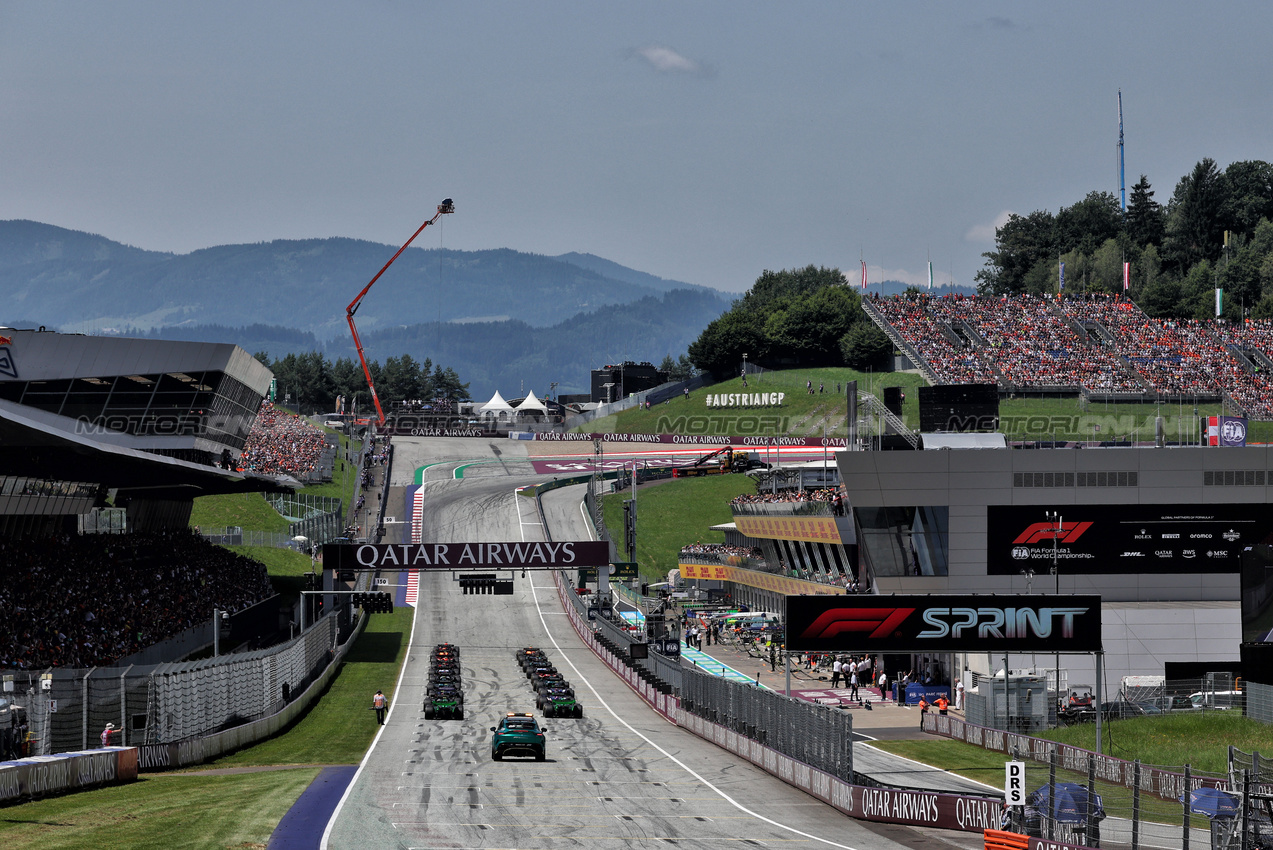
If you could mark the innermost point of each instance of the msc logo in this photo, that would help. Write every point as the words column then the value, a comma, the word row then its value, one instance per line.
column 872, row 623
column 1068, row 533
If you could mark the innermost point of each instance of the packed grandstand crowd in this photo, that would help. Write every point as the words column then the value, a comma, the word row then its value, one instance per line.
column 282, row 443
column 721, row 550
column 1102, row 343
column 122, row 594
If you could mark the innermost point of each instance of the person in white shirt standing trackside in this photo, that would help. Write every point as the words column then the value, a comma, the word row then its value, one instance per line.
column 836, row 668
column 853, row 681
column 959, row 695
column 380, row 703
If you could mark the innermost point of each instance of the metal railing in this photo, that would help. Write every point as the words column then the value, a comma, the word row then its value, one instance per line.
column 816, row 735
column 166, row 703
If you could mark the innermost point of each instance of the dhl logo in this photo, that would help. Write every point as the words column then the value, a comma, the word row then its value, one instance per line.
column 1068, row 533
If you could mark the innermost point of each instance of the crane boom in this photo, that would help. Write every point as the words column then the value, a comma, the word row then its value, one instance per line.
column 445, row 207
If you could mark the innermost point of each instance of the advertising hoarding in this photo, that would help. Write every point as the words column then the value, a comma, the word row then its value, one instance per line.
column 1105, row 539
column 944, row 623
column 461, row 556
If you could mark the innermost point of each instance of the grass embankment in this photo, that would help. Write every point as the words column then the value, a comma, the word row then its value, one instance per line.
column 192, row 809
column 673, row 514
column 801, row 414
column 804, row 415
column 1199, row 739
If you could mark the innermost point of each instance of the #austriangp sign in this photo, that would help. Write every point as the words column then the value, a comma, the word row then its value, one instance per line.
column 955, row 623
column 460, row 556
column 1104, row 539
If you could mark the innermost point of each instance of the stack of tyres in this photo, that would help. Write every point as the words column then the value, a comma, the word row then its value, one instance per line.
column 553, row 694
column 444, row 695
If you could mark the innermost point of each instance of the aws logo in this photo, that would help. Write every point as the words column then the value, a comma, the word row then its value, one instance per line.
column 874, row 623
column 1039, row 531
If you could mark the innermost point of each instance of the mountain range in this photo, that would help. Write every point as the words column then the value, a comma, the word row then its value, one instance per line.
column 500, row 318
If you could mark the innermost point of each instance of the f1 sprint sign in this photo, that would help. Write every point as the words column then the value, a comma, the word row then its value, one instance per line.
column 459, row 556
column 956, row 623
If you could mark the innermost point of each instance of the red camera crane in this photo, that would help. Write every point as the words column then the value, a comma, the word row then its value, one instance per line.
column 444, row 208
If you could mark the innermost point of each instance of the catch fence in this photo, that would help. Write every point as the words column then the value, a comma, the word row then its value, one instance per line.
column 168, row 703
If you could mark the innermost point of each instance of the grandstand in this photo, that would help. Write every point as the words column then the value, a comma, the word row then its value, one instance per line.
column 107, row 442
column 1102, row 347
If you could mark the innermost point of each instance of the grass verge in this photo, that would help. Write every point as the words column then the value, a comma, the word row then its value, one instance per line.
column 674, row 514
column 1199, row 739
column 191, row 809
column 170, row 811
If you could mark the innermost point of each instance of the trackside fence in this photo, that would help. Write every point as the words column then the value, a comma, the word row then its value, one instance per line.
column 812, row 734
column 172, row 704
column 1141, row 805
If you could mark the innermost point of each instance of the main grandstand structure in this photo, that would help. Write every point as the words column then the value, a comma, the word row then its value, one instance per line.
column 107, row 436
column 156, row 422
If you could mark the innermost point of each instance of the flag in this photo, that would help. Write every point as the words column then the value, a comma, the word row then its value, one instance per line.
column 1226, row 431
column 930, row 274
column 864, row 274
column 1127, row 276
column 1062, row 276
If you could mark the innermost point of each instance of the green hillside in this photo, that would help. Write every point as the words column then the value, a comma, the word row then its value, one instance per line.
column 804, row 415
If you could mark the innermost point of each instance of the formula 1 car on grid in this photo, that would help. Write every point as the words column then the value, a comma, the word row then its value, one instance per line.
column 443, row 695
column 553, row 694
column 558, row 702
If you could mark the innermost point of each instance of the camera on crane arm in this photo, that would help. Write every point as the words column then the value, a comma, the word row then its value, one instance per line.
column 447, row 206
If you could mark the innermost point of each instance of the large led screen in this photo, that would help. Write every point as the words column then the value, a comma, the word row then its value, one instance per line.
column 1096, row 539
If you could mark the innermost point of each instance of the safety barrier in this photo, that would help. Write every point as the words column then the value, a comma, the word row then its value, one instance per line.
column 39, row 776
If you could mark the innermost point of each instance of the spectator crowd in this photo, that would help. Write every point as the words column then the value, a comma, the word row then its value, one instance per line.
column 1101, row 343
column 282, row 443
column 91, row 600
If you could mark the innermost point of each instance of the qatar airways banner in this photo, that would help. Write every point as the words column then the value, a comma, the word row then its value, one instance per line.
column 957, row 623
column 689, row 439
column 460, row 556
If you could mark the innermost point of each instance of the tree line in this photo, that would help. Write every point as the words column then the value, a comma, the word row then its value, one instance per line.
column 797, row 317
column 312, row 382
column 1214, row 231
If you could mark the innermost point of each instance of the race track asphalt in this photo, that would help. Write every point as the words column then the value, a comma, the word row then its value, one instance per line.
column 619, row 777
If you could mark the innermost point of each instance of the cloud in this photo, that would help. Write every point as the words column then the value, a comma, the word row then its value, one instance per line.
column 986, row 232
column 665, row 60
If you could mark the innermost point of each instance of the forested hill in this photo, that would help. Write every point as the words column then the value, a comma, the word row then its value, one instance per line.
column 1214, row 231
column 82, row 282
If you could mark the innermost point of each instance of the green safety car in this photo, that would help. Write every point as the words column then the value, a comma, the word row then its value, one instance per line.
column 518, row 735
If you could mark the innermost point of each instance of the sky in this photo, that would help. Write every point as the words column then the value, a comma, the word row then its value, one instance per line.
column 704, row 142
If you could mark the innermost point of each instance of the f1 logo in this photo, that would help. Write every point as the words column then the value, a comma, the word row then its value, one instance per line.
column 873, row 623
column 1068, row 533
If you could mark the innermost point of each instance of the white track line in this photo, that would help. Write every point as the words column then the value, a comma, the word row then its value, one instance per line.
column 397, row 692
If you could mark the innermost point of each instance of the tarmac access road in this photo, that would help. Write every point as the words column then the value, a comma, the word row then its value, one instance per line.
column 620, row 777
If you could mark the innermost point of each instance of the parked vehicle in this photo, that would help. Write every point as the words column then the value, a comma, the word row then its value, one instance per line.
column 1218, row 699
